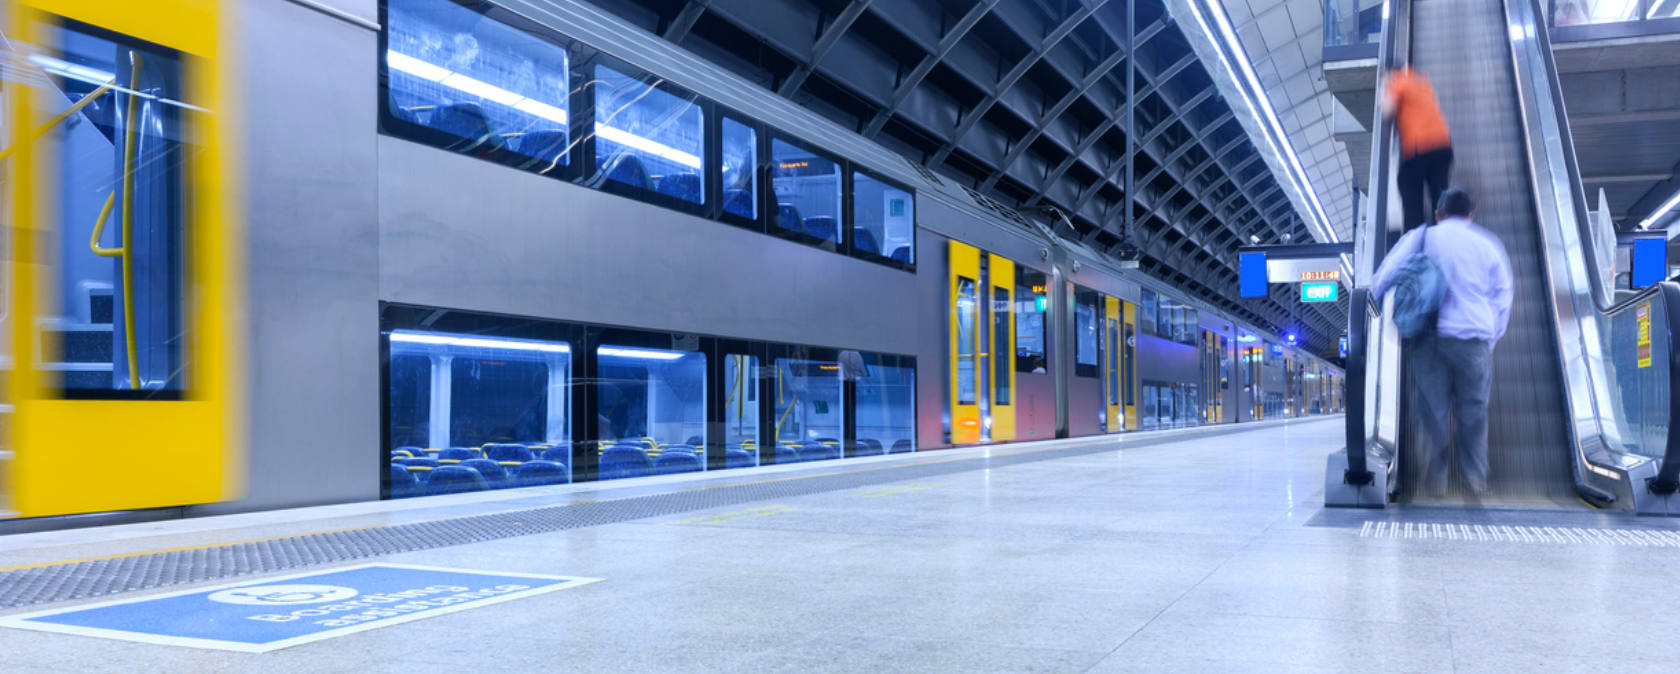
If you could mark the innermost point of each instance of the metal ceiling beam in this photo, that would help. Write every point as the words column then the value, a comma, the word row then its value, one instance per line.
column 690, row 15
column 830, row 35
column 908, row 85
column 1051, row 115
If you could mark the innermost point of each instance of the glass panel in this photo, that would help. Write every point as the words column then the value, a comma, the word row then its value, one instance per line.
column 1000, row 346
column 1085, row 334
column 1150, row 402
column 1030, row 305
column 1129, row 352
column 807, row 190
column 1582, row 12
column 1352, row 22
column 117, row 325
column 883, row 219
column 1113, row 362
column 1146, row 313
column 487, row 85
column 1164, row 319
column 740, row 169
column 740, row 411
column 648, row 138
column 810, row 410
column 1662, row 9
column 966, row 308
column 886, row 407
column 470, row 413
column 652, row 411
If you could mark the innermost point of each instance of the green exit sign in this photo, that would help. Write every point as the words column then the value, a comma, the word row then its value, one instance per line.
column 1318, row 292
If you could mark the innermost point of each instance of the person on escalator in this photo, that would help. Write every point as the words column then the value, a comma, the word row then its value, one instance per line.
column 1452, row 365
column 1426, row 153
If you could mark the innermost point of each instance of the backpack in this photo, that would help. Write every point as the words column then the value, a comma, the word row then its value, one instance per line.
column 1418, row 288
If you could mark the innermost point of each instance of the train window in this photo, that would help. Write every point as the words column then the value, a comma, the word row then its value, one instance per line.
column 648, row 137
column 740, row 410
column 505, row 411
column 1146, row 312
column 1150, row 402
column 1085, row 334
column 1000, row 346
column 886, row 405
column 651, row 416
column 1114, row 347
column 118, row 325
column 967, row 309
column 1165, row 408
column 883, row 219
column 740, row 169
column 810, row 410
column 475, row 83
column 1129, row 358
column 807, row 191
column 1030, row 304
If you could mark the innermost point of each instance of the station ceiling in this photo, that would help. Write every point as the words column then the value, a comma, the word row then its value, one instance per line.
column 1024, row 101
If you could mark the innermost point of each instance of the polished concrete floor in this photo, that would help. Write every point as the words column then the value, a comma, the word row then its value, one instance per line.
column 1211, row 554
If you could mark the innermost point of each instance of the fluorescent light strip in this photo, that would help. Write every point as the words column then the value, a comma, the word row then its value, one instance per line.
column 72, row 71
column 408, row 64
column 440, row 339
column 644, row 354
column 1661, row 211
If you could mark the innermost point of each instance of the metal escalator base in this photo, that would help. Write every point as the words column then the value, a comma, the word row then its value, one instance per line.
column 1463, row 47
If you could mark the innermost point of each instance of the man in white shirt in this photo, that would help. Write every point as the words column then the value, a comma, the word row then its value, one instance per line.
column 1452, row 368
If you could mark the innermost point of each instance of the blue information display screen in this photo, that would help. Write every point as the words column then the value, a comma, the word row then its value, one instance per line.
column 1252, row 272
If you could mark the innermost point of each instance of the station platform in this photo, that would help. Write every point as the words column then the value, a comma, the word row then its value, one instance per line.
column 1200, row 549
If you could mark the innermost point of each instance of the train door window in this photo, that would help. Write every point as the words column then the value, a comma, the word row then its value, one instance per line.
column 651, row 414
column 886, row 405
column 1146, row 312
column 806, row 187
column 1114, row 349
column 1031, row 302
column 649, row 138
column 740, row 170
column 1129, row 353
column 810, row 410
column 1085, row 335
column 967, row 308
column 1000, row 342
column 117, row 327
column 740, row 410
column 883, row 219
column 479, row 80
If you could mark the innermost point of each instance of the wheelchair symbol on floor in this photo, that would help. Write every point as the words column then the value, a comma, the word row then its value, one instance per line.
column 278, row 595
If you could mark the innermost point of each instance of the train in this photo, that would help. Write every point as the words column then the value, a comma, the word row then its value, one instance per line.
column 279, row 254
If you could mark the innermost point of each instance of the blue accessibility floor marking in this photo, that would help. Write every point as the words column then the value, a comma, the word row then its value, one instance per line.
column 274, row 613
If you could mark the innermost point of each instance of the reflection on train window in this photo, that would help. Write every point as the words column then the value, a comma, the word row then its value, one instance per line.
column 482, row 86
column 1146, row 313
column 1151, row 400
column 740, row 411
column 118, row 326
column 883, row 219
column 1165, row 407
column 1085, row 334
column 1030, row 305
column 886, row 406
column 648, row 138
column 740, row 169
column 807, row 188
column 967, row 306
column 651, row 416
column 810, row 410
column 470, row 413
column 1000, row 342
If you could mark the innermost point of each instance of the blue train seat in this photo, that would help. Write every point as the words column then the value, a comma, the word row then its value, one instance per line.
column 627, row 169
column 863, row 241
column 493, row 472
column 403, row 482
column 695, row 441
column 902, row 446
column 418, row 461
column 736, row 456
column 466, row 120
column 787, row 217
column 677, row 462
column 787, row 454
column 685, row 186
column 507, row 452
column 822, row 227
column 816, row 451
column 901, row 253
column 869, row 447
column 543, row 146
column 739, row 202
column 540, row 472
column 454, row 480
column 624, row 461
column 410, row 450
column 560, row 455
column 457, row 455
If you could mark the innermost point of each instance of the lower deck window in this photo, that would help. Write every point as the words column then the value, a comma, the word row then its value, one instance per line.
column 810, row 410
column 651, row 416
column 886, row 407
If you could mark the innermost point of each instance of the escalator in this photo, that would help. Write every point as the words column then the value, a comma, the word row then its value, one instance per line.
column 1580, row 403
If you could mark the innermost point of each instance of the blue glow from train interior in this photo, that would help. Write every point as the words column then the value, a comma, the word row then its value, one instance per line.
column 427, row 71
column 440, row 339
column 644, row 354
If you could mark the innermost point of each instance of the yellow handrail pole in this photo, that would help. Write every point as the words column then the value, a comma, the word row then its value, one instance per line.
column 55, row 121
column 128, row 220
column 99, row 230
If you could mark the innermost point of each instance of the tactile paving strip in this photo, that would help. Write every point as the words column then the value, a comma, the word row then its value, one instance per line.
column 94, row 578
column 1505, row 533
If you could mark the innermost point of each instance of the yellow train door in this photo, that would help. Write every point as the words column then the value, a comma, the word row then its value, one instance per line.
column 1113, row 344
column 964, row 353
column 1001, row 275
column 1128, row 352
column 123, row 293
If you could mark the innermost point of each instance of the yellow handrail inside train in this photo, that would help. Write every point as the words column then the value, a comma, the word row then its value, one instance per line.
column 56, row 120
column 124, row 249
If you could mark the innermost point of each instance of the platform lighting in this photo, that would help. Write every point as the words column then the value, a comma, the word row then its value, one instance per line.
column 1276, row 140
column 644, row 354
column 441, row 339
column 1673, row 200
column 444, row 77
